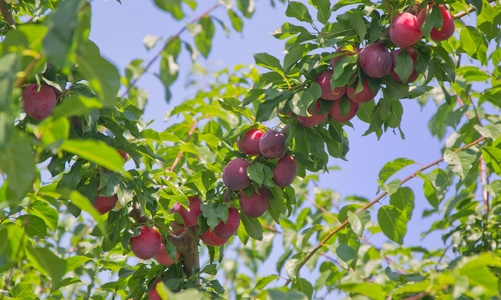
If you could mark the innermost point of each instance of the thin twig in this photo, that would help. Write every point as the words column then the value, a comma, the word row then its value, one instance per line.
column 169, row 42
column 337, row 229
column 28, row 70
column 180, row 154
column 468, row 11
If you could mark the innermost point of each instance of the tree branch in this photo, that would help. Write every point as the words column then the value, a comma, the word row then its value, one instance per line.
column 187, row 244
column 169, row 42
column 337, row 229
column 6, row 13
column 468, row 11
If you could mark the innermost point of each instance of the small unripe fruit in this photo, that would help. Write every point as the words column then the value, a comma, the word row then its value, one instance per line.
column 343, row 50
column 39, row 105
column 211, row 239
column 104, row 204
column 285, row 172
column 375, row 60
column 414, row 75
column 250, row 143
column 190, row 216
column 314, row 119
column 328, row 93
column 257, row 204
column 448, row 26
column 365, row 95
column 335, row 111
column 405, row 31
column 146, row 244
column 164, row 259
column 235, row 174
column 272, row 144
column 226, row 230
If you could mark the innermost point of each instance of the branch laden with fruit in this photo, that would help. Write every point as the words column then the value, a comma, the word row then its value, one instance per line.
column 221, row 164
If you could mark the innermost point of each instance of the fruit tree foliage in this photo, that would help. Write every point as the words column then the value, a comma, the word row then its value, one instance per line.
column 88, row 186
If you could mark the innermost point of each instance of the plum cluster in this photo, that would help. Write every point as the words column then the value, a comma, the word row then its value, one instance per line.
column 270, row 145
column 375, row 61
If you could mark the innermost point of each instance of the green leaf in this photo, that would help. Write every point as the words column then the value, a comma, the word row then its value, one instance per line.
column 434, row 186
column 85, row 205
column 344, row 252
column 171, row 6
column 371, row 290
column 474, row 43
column 263, row 282
column 252, row 226
column 51, row 131
column 492, row 132
column 277, row 294
column 394, row 166
column 492, row 157
column 33, row 225
column 13, row 238
column 46, row 212
column 460, row 162
column 76, row 261
column 58, row 41
column 404, row 65
column 95, row 151
column 8, row 65
column 246, row 7
column 355, row 223
column 358, row 23
column 296, row 53
column 169, row 69
column 236, row 21
column 392, row 186
column 403, row 199
column 44, row 260
column 393, row 223
column 203, row 36
column 23, row 290
column 18, row 163
column 323, row 10
column 304, row 286
column 267, row 61
column 303, row 237
column 235, row 106
column 77, row 105
column 102, row 76
column 299, row 11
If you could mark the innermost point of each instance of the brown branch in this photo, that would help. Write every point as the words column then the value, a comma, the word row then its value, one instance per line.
column 187, row 244
column 468, row 11
column 6, row 13
column 337, row 229
column 169, row 42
